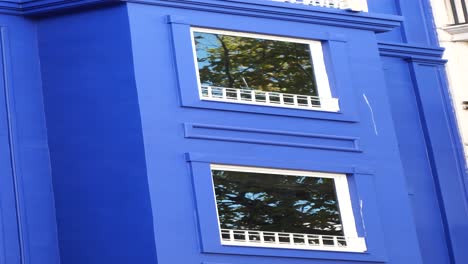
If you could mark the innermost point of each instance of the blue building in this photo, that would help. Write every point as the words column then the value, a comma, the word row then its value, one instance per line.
column 227, row 132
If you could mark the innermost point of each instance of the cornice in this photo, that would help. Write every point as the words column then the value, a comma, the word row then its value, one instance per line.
column 417, row 53
column 288, row 12
column 254, row 8
column 10, row 7
column 34, row 7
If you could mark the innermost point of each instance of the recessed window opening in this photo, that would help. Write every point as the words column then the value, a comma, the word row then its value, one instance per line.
column 264, row 70
column 283, row 208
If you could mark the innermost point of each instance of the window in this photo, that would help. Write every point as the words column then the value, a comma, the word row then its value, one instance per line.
column 262, row 70
column 284, row 209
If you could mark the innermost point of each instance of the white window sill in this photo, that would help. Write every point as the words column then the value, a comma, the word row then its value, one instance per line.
column 458, row 32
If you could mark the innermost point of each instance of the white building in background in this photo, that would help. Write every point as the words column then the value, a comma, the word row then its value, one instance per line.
column 451, row 20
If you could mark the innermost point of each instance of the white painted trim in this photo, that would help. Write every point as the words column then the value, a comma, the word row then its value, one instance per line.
column 275, row 171
column 320, row 71
column 195, row 58
column 328, row 103
column 221, row 94
column 356, row 249
column 353, row 244
column 357, row 5
column 458, row 32
column 251, row 35
column 356, row 244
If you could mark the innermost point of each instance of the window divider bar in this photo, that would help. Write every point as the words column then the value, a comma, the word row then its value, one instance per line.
column 252, row 94
column 210, row 92
column 465, row 11
column 335, row 241
column 454, row 12
column 224, row 93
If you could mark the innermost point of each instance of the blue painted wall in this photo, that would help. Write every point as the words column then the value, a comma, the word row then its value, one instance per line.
column 420, row 179
column 95, row 137
column 28, row 227
column 154, row 54
column 109, row 93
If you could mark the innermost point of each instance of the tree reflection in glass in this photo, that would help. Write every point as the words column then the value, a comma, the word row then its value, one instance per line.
column 277, row 203
column 253, row 63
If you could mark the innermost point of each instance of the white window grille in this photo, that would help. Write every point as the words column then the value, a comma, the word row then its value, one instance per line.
column 224, row 94
column 291, row 240
column 459, row 11
column 354, row 5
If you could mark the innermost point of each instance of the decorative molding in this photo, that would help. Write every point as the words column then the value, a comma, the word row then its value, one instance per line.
column 36, row 7
column 258, row 8
column 423, row 54
column 296, row 164
column 271, row 137
column 286, row 11
column 10, row 7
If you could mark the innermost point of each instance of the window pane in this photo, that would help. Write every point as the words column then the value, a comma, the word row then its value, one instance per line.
column 253, row 63
column 277, row 203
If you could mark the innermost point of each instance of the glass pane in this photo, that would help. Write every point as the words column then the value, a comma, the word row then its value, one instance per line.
column 253, row 63
column 277, row 203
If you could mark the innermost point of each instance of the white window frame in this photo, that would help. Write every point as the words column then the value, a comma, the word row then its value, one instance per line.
column 327, row 102
column 354, row 242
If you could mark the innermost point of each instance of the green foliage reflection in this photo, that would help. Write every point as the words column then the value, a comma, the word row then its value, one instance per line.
column 252, row 63
column 279, row 203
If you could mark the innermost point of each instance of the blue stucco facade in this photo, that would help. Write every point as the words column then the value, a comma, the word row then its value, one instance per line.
column 106, row 147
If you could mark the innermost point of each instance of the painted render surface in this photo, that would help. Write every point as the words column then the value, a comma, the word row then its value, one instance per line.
column 107, row 146
column 29, row 230
column 100, row 221
column 455, row 51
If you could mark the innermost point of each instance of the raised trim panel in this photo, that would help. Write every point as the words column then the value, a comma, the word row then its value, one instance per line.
column 336, row 59
column 271, row 137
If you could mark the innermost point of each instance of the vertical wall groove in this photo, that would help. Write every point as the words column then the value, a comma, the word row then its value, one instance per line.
column 11, row 138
